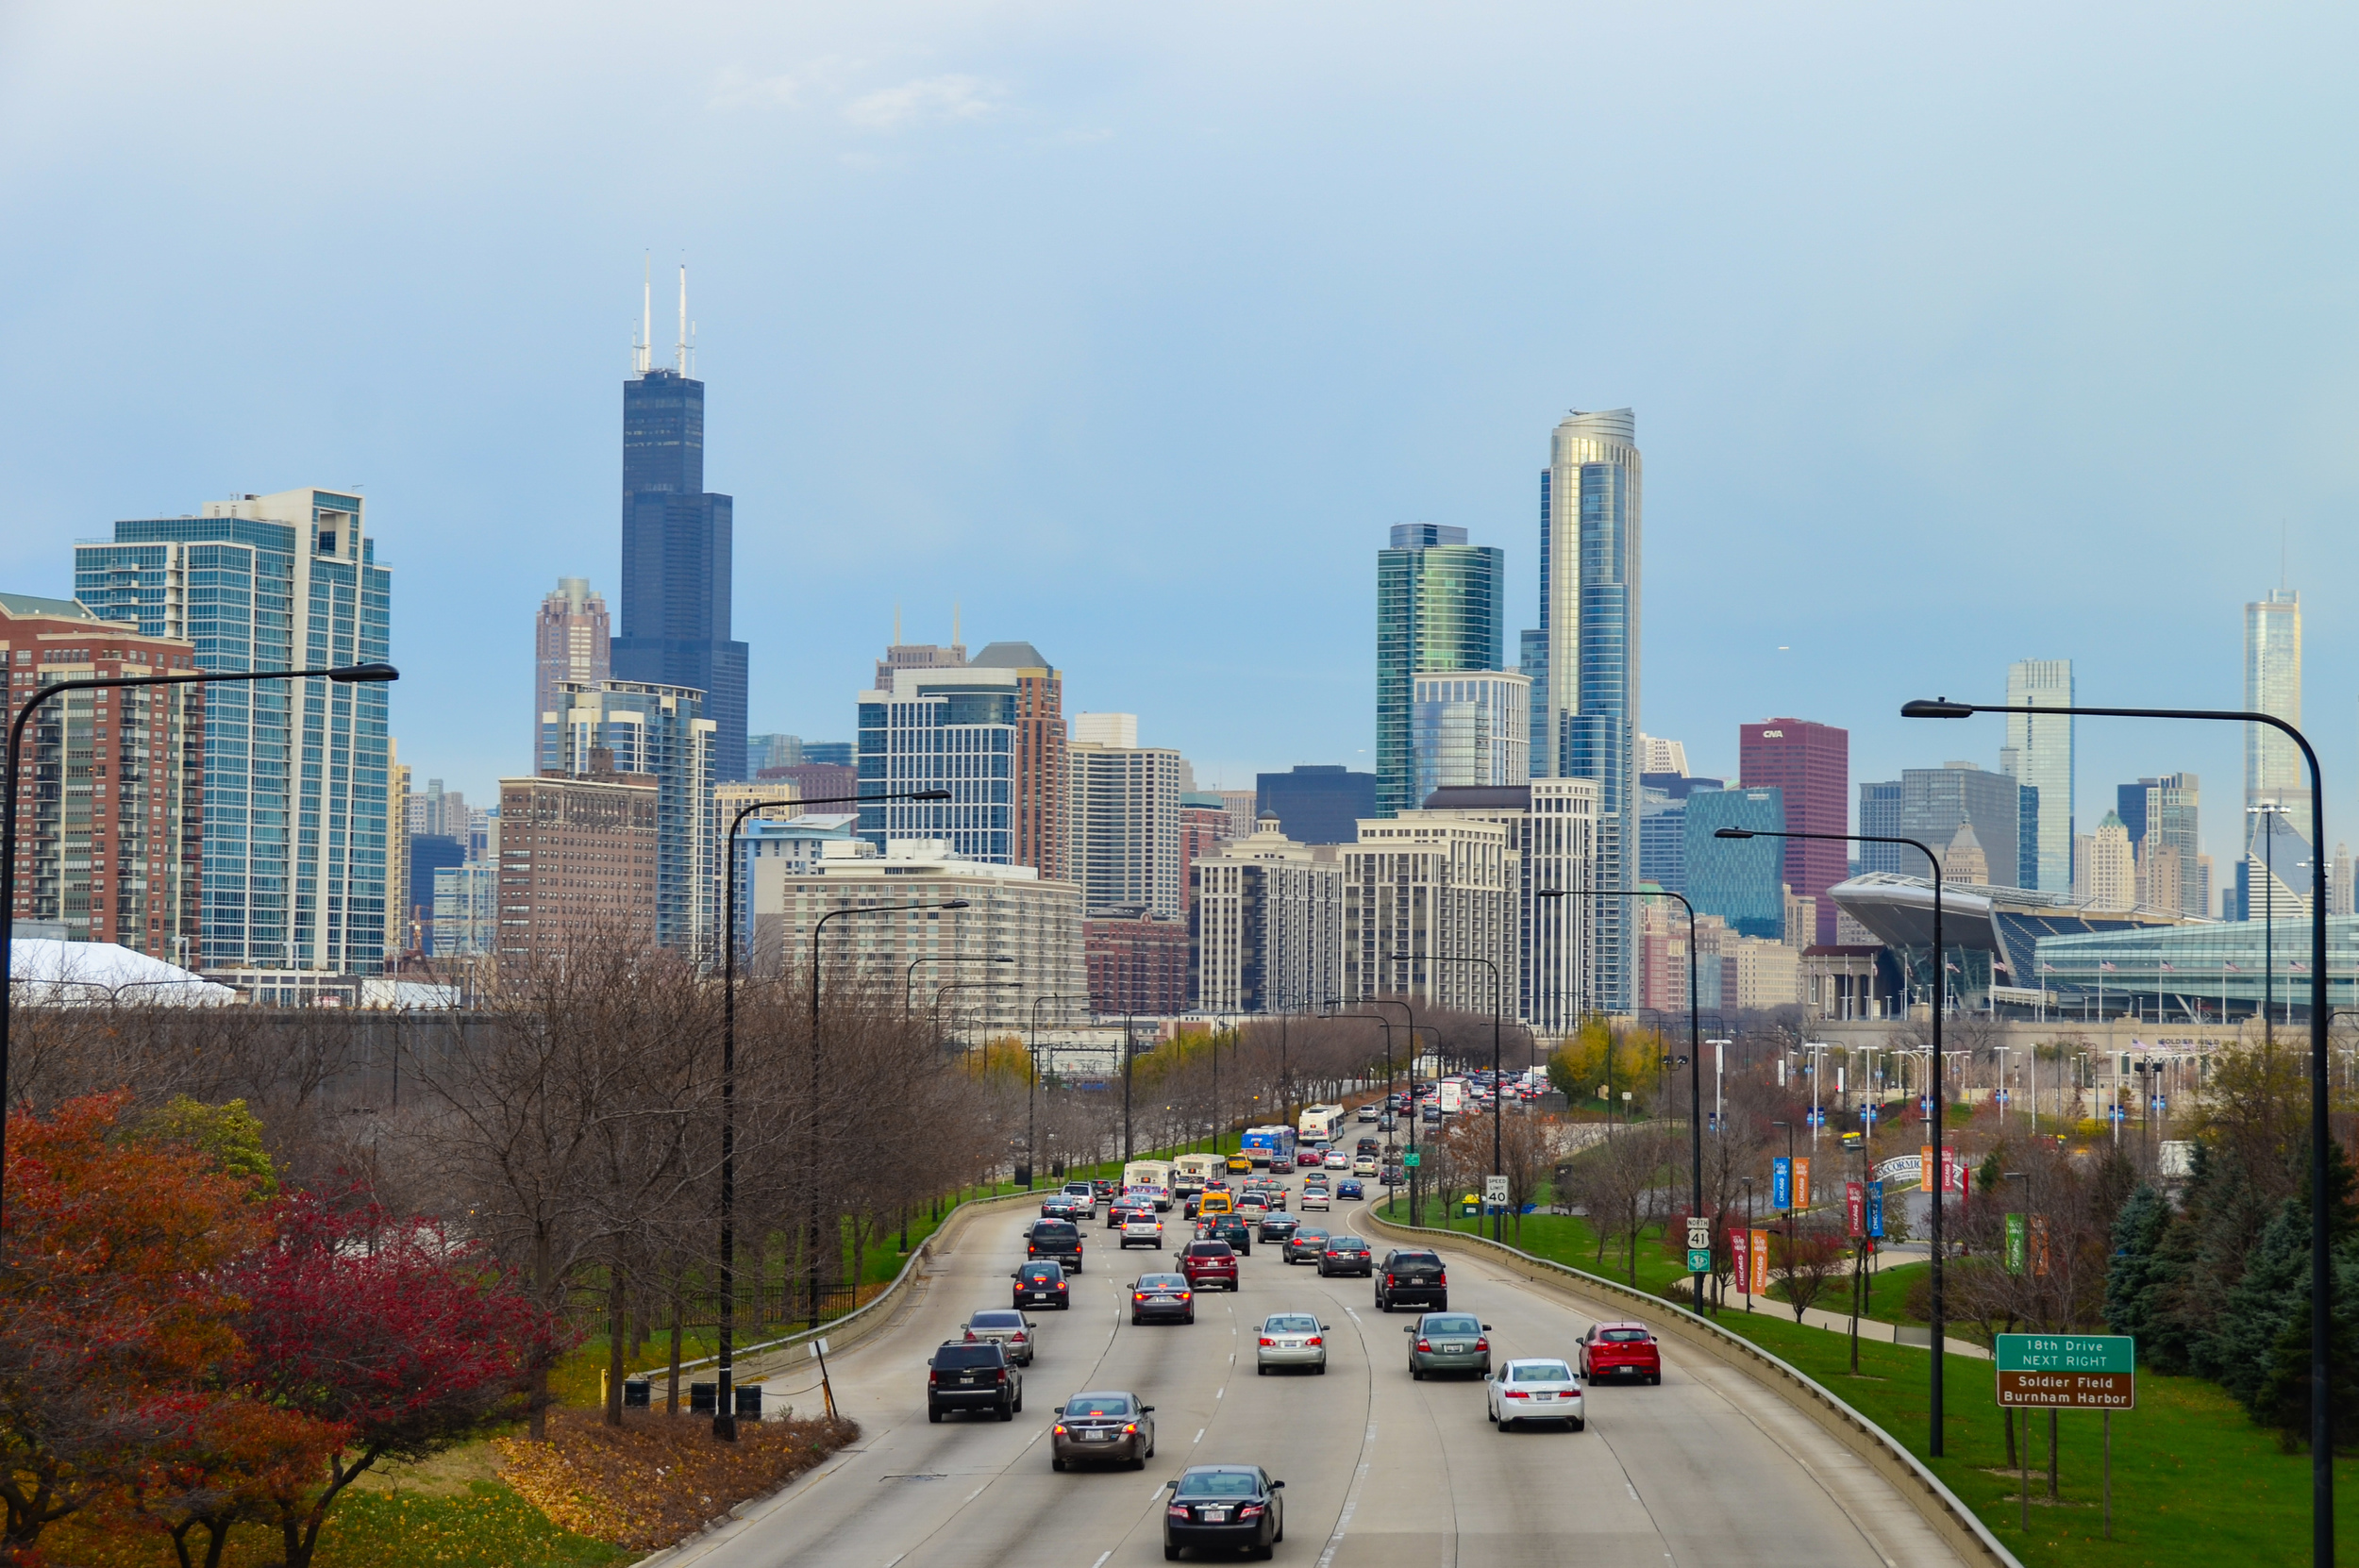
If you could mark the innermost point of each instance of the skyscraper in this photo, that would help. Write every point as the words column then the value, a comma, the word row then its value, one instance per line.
column 2273, row 771
column 2039, row 753
column 1880, row 817
column 1318, row 802
column 1810, row 763
column 627, row 727
column 1125, row 827
column 294, row 780
column 1468, row 732
column 1043, row 785
column 992, row 734
column 1741, row 880
column 1438, row 606
column 678, row 548
column 571, row 641
column 1935, row 802
column 1589, row 582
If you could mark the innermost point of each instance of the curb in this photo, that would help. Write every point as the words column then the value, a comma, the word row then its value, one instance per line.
column 1932, row 1498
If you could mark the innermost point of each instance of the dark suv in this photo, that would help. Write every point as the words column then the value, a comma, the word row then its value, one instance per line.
column 965, row 1377
column 1344, row 1255
column 1057, row 1238
column 1412, row 1277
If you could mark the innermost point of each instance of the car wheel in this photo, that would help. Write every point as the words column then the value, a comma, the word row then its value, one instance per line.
column 1417, row 1373
column 1006, row 1413
column 1171, row 1553
column 1056, row 1465
column 1656, row 1379
column 933, row 1413
column 1136, row 1320
column 1443, row 1305
column 1260, row 1371
column 1580, row 1426
column 1263, row 1553
column 1190, row 1318
column 1321, row 1369
column 1139, row 1463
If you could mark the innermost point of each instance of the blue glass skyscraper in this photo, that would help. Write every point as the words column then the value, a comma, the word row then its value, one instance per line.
column 1439, row 606
column 1587, row 644
column 678, row 547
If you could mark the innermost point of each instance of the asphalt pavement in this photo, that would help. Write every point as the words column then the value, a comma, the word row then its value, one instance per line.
column 1379, row 1470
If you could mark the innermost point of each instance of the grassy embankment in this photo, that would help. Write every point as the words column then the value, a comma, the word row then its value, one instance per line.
column 2193, row 1479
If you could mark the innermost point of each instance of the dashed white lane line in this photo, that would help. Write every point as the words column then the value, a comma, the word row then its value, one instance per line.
column 1200, row 1435
column 1101, row 1558
column 1218, row 1391
column 1633, row 1490
column 1351, row 1499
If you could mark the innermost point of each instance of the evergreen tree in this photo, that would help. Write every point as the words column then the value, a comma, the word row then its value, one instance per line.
column 2131, row 1294
column 2279, row 1394
column 2241, row 1346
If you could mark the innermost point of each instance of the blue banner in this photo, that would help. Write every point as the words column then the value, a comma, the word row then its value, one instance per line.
column 1782, row 1183
column 1876, row 1209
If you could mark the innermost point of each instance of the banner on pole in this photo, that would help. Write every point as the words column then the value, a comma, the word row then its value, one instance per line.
column 1782, row 1183
column 1854, row 1209
column 1876, row 1209
column 2039, row 1246
column 1740, row 1250
column 1760, row 1263
column 1802, row 1182
column 1925, row 1169
column 2015, row 1244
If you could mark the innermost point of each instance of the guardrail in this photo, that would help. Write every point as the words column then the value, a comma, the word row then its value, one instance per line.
column 1933, row 1500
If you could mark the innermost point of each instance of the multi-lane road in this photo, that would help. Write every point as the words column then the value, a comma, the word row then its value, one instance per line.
column 1379, row 1470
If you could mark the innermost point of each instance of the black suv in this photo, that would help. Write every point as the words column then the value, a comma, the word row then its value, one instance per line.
column 1412, row 1277
column 1057, row 1238
column 976, row 1376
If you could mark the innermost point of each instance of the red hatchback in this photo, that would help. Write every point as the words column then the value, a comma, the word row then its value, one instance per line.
column 1208, row 1264
column 1620, row 1350
column 1309, row 1159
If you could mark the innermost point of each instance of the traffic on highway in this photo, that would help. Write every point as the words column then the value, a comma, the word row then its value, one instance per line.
column 1383, row 1373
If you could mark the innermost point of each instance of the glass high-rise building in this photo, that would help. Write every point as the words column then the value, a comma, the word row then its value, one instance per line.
column 1439, row 606
column 1741, row 880
column 1467, row 730
column 2039, row 753
column 678, row 551
column 636, row 730
column 294, row 773
column 1812, row 763
column 1587, row 643
column 571, row 641
column 2273, row 771
column 953, row 729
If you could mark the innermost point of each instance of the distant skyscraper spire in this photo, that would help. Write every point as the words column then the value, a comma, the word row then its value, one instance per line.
column 646, row 317
column 680, row 360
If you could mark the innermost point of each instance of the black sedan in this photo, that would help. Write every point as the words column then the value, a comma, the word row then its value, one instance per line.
column 1346, row 1255
column 1043, row 1284
column 1229, row 1507
column 1276, row 1226
column 1101, row 1427
column 1162, row 1297
column 1304, row 1245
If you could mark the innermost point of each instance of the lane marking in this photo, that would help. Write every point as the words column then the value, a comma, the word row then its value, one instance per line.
column 1633, row 1495
column 1218, row 1391
column 1200, row 1437
column 1099, row 1563
column 897, row 1559
column 977, row 1493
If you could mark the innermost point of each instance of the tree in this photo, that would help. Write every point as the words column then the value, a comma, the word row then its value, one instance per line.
column 111, row 1299
column 403, row 1341
column 1805, row 1260
column 1617, row 1184
column 225, row 1458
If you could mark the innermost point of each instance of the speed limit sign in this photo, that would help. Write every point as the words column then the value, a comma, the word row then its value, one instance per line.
column 1699, row 1234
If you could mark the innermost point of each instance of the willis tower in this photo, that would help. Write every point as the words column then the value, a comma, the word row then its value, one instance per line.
column 676, row 547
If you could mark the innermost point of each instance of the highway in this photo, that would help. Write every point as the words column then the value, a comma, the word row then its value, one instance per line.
column 1381, row 1470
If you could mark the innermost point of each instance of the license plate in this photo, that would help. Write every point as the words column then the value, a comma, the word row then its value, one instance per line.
column 1215, row 1516
column 1454, row 1348
column 1544, row 1397
column 967, row 1379
column 1095, row 1437
column 1164, row 1301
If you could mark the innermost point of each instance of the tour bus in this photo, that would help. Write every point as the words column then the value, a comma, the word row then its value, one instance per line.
column 1270, row 1146
column 1192, row 1172
column 1150, row 1176
column 1319, row 1123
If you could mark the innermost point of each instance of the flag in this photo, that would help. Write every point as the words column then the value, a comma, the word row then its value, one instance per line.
column 2296, row 963
column 2167, row 970
column 2230, row 967
column 2103, row 965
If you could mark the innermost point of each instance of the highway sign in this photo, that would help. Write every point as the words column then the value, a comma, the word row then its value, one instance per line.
column 1495, row 1191
column 1699, row 1234
column 1409, row 1160
column 1699, row 1259
column 2077, row 1372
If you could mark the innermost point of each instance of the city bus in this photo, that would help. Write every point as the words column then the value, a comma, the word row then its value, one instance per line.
column 1192, row 1172
column 1318, row 1124
column 1150, row 1176
column 1270, row 1146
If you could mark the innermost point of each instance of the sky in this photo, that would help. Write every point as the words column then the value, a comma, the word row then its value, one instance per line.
column 1956, row 335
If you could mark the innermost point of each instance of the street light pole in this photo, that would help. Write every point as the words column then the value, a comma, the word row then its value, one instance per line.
column 908, row 975
column 2321, row 1258
column 1941, row 979
column 1498, row 1220
column 1695, row 1045
column 1031, row 1091
column 342, row 674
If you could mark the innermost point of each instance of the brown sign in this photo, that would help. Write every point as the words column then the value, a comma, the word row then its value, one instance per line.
column 2071, row 1391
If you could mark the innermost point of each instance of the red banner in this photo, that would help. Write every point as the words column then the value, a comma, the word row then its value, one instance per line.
column 1740, row 1248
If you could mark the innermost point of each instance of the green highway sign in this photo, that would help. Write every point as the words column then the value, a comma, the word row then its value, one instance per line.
column 1699, row 1259
column 1409, row 1160
column 2068, row 1353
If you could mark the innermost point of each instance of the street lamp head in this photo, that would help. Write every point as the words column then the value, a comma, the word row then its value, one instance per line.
column 927, row 794
column 999, row 958
column 1732, row 833
column 952, row 904
column 353, row 673
column 1936, row 708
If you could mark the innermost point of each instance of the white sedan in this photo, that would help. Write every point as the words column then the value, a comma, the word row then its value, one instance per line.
column 1316, row 1197
column 1141, row 1226
column 1338, row 1160
column 1533, row 1389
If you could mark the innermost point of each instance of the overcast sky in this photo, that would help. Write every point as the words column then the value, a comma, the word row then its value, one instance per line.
column 1956, row 335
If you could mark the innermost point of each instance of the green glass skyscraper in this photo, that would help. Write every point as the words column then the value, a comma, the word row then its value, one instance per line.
column 1439, row 606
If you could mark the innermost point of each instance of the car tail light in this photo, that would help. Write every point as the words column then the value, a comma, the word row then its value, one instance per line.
column 1266, row 1340
column 999, row 1374
column 1518, row 1393
column 1391, row 1280
column 1425, row 1344
column 1480, row 1345
column 1178, row 1510
column 970, row 1336
column 1138, row 1295
column 1251, row 1511
column 1442, row 1278
column 932, row 1378
column 1058, row 1431
column 1317, row 1339
column 1020, row 1336
column 1132, row 1428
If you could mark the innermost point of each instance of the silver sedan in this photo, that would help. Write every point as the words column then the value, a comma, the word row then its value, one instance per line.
column 1291, row 1339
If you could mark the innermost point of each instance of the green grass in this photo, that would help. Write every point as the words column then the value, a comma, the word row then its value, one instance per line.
column 490, row 1526
column 2193, row 1479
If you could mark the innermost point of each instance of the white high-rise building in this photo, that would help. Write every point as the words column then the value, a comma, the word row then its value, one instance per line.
column 1105, row 729
column 1552, row 826
column 1268, row 925
column 2109, row 870
column 1657, row 755
column 1125, row 834
column 2039, row 753
column 1429, row 885
column 2273, row 771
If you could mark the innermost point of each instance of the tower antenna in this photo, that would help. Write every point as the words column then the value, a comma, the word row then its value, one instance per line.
column 646, row 316
column 684, row 319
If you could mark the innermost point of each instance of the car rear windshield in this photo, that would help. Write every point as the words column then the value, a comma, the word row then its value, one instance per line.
column 996, row 1319
column 1218, row 1483
column 1347, row 1244
column 1453, row 1323
column 1625, row 1336
column 1099, row 1404
column 1055, row 1231
column 1043, row 1274
column 1162, row 1282
column 1310, row 1233
column 1209, row 1249
column 1292, row 1323
column 1539, row 1371
column 969, row 1355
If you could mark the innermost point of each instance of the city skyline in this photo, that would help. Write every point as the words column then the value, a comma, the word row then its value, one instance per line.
column 970, row 411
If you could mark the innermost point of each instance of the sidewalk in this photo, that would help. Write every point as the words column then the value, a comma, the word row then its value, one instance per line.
column 1840, row 1323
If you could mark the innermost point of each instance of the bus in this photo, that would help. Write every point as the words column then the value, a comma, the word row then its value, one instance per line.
column 1318, row 1124
column 1150, row 1176
column 1192, row 1172
column 1270, row 1146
